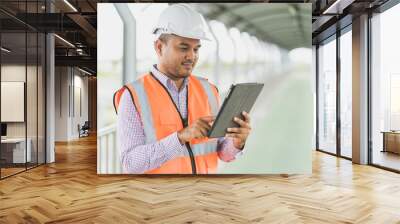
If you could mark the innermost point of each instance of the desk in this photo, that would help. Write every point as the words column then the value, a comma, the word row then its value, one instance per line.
column 13, row 150
column 391, row 141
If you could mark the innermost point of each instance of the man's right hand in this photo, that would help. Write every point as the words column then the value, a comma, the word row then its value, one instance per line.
column 198, row 129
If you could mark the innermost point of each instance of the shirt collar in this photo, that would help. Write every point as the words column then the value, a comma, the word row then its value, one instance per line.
column 165, row 80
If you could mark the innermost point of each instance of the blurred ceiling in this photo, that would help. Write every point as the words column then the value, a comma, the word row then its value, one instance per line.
column 288, row 25
column 285, row 24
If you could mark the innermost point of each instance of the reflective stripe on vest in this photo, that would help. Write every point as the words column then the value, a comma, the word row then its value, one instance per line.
column 211, row 97
column 203, row 148
column 147, row 119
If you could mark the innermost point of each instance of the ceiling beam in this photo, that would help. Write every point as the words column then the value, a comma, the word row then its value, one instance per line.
column 83, row 23
column 321, row 22
column 49, row 22
column 85, row 61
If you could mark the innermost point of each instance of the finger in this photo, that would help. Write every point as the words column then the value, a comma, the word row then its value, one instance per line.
column 203, row 132
column 238, row 130
column 235, row 135
column 207, row 118
column 241, row 122
column 246, row 116
column 204, row 124
column 199, row 132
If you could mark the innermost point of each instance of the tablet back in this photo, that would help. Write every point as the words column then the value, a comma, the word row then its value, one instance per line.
column 241, row 97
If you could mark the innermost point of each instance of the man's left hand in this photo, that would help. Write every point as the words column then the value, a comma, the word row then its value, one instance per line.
column 241, row 133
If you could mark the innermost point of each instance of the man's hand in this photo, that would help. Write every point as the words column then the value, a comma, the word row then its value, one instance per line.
column 241, row 133
column 198, row 129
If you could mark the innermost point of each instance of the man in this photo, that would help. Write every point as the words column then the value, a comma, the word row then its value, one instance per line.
column 165, row 115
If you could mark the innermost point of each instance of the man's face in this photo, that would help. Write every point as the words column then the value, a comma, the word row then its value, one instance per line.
column 178, row 55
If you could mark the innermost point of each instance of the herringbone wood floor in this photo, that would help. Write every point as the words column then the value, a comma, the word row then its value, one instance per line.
column 70, row 191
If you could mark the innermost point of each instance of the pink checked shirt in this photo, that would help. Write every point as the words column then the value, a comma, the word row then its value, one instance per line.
column 138, row 157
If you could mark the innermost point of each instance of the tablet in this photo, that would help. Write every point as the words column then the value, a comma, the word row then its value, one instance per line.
column 241, row 97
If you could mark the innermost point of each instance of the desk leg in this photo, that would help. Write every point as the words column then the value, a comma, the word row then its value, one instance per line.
column 384, row 142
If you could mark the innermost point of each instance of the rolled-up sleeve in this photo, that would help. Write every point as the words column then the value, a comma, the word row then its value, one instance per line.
column 227, row 151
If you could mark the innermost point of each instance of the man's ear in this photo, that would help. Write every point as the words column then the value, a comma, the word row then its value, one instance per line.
column 158, row 47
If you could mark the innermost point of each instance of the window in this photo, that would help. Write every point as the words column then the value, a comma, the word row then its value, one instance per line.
column 346, row 94
column 22, row 75
column 327, row 96
column 385, row 89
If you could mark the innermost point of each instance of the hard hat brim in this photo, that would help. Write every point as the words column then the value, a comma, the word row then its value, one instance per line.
column 185, row 36
column 158, row 34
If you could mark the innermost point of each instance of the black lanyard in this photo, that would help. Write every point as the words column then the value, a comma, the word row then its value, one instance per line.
column 185, row 122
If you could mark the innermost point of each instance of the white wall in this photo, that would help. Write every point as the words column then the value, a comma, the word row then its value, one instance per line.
column 33, row 126
column 61, row 103
column 70, row 83
column 80, row 100
column 12, row 73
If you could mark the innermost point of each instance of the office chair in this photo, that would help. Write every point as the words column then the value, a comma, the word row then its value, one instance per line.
column 84, row 130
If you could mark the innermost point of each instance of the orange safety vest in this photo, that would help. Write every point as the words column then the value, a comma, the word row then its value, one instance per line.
column 160, row 118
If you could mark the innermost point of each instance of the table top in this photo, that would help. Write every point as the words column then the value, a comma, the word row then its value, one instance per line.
column 13, row 140
column 391, row 132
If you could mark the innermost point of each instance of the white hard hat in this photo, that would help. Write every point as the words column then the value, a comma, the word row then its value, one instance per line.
column 181, row 20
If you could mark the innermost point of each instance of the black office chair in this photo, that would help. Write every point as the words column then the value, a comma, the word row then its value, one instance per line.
column 84, row 130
